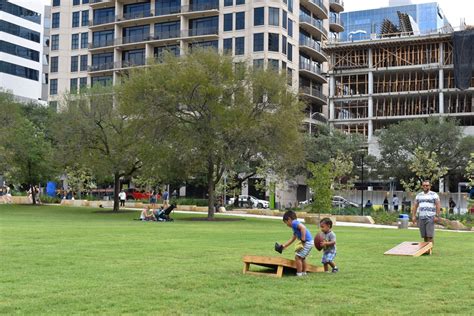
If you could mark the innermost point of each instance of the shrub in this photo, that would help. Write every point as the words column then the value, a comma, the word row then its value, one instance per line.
column 50, row 199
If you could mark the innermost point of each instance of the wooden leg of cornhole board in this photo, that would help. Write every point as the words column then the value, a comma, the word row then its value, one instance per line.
column 246, row 267
column 279, row 273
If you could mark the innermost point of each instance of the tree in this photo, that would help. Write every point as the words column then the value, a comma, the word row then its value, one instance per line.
column 205, row 115
column 94, row 132
column 79, row 178
column 425, row 166
column 399, row 142
column 470, row 170
column 342, row 167
column 26, row 153
column 320, row 183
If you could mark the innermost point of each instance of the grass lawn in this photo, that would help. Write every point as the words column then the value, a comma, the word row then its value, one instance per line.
column 58, row 260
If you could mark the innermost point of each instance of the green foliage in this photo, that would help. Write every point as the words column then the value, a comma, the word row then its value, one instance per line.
column 189, row 201
column 320, row 183
column 80, row 178
column 342, row 166
column 399, row 143
column 425, row 166
column 50, row 199
column 470, row 170
column 201, row 115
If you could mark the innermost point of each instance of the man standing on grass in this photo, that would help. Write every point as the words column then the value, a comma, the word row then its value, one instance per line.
column 428, row 206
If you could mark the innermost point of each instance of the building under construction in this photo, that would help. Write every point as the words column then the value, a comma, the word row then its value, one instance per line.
column 380, row 81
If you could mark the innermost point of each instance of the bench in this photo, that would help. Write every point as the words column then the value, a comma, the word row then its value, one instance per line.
column 275, row 263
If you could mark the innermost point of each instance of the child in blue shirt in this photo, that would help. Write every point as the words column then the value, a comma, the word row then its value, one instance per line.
column 304, row 237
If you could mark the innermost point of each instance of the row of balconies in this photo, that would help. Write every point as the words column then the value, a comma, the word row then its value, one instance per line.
column 156, row 12
column 175, row 34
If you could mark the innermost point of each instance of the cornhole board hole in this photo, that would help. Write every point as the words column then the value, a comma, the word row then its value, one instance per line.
column 410, row 248
column 277, row 264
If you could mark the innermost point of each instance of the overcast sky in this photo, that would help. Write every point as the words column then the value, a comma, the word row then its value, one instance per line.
column 453, row 9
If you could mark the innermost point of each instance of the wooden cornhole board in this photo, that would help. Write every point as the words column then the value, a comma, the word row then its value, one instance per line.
column 410, row 248
column 277, row 263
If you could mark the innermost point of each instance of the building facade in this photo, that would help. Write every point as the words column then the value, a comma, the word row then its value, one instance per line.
column 22, row 48
column 362, row 24
column 378, row 82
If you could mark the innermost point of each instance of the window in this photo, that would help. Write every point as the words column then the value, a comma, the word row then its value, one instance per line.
column 21, row 12
column 289, row 74
column 82, row 82
column 103, row 38
column 204, row 26
column 239, row 45
column 73, row 85
column 273, row 64
column 228, row 46
column 290, row 6
column 136, row 34
column 167, row 7
column 159, row 51
column 273, row 42
column 53, row 86
column 240, row 20
column 228, row 22
column 85, row 18
column 258, row 42
column 206, row 44
column 228, row 3
column 76, row 2
column 19, row 31
column 283, row 44
column 136, row 10
column 290, row 52
column 20, row 51
column 283, row 65
column 84, row 39
column 239, row 2
column 53, row 105
column 74, row 63
column 102, row 81
column 167, row 30
column 55, row 20
column 56, row 3
column 75, row 19
column 102, row 16
column 273, row 16
column 284, row 19
column 85, row 1
column 74, row 41
column 259, row 16
column 84, row 60
column 290, row 28
column 135, row 57
column 55, row 42
column 258, row 63
column 53, row 64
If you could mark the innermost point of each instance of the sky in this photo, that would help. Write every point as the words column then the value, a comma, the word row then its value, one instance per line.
column 453, row 9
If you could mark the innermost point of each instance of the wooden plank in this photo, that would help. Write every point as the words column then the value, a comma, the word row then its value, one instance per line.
column 276, row 263
column 410, row 248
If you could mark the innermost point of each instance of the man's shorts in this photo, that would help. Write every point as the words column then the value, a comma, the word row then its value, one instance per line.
column 426, row 226
column 303, row 253
column 328, row 257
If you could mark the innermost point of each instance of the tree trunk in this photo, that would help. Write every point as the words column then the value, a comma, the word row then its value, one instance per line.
column 210, row 189
column 33, row 194
column 116, row 191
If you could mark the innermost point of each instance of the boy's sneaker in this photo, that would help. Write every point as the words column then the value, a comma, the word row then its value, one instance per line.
column 335, row 270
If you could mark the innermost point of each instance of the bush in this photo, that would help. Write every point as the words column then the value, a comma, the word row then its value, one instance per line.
column 50, row 199
column 189, row 201
column 467, row 219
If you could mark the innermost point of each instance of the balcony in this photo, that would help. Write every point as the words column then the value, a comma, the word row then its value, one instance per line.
column 200, row 9
column 98, row 4
column 313, row 94
column 134, row 15
column 129, row 63
column 101, row 67
column 133, row 39
column 101, row 21
column 311, row 70
column 312, row 48
column 208, row 32
column 336, row 24
column 313, row 26
column 316, row 7
column 101, row 44
column 159, row 11
column 336, row 5
column 166, row 35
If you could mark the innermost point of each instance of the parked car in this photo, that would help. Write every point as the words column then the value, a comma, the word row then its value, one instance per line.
column 250, row 201
column 135, row 194
column 340, row 202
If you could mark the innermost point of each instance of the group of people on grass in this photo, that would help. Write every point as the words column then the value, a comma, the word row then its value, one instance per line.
column 5, row 194
column 160, row 214
column 425, row 212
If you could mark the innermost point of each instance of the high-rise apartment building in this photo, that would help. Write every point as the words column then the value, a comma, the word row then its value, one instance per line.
column 21, row 48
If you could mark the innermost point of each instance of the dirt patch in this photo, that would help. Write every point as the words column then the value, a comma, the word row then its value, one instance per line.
column 205, row 219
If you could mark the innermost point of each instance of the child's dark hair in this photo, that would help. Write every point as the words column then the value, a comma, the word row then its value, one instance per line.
column 326, row 221
column 289, row 215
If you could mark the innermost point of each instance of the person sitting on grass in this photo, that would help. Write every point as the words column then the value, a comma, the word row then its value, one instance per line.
column 147, row 214
column 329, row 245
column 305, row 241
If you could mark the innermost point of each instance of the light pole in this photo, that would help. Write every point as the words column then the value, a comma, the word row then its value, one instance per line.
column 362, row 184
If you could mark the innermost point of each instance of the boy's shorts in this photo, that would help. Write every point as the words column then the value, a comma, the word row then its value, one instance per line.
column 303, row 253
column 328, row 257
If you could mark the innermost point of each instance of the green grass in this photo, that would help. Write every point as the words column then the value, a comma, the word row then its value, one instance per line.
column 57, row 260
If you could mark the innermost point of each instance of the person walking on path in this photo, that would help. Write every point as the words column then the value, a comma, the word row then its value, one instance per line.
column 385, row 204
column 395, row 202
column 122, row 197
column 428, row 207
column 451, row 205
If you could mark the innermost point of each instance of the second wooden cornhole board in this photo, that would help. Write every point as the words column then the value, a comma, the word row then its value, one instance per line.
column 275, row 263
column 410, row 248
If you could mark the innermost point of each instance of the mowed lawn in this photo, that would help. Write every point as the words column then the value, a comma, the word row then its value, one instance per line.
column 64, row 260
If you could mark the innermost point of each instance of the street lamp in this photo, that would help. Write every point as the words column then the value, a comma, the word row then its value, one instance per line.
column 362, row 183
